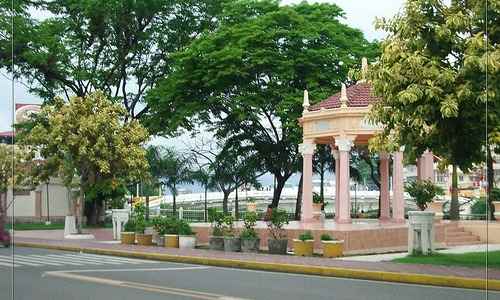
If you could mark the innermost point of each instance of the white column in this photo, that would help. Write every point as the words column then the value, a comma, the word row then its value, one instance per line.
column 344, row 145
column 307, row 150
column 398, row 200
column 335, row 153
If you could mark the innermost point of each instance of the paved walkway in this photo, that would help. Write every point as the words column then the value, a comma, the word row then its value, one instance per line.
column 347, row 262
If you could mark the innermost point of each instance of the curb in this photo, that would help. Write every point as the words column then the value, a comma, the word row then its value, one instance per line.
column 411, row 278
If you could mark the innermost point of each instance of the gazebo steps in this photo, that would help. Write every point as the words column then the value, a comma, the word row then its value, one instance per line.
column 456, row 236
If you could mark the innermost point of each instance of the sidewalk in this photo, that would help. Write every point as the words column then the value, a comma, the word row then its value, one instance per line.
column 345, row 267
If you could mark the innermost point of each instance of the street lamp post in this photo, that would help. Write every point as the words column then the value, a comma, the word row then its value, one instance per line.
column 48, row 212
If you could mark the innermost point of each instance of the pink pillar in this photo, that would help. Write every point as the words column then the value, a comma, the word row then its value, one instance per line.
column 419, row 168
column 398, row 200
column 307, row 150
column 428, row 166
column 344, row 215
column 337, row 176
column 385, row 205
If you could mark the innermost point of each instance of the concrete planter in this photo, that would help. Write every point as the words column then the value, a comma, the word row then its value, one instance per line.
column 497, row 209
column 437, row 208
column 144, row 239
column 127, row 238
column 277, row 246
column 250, row 245
column 160, row 241
column 303, row 248
column 421, row 232
column 333, row 248
column 216, row 242
column 171, row 240
column 317, row 211
column 232, row 244
column 187, row 241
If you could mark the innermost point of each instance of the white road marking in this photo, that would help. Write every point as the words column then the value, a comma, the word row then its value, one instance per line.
column 141, row 286
column 20, row 260
column 121, row 259
column 90, row 260
column 58, row 259
column 6, row 264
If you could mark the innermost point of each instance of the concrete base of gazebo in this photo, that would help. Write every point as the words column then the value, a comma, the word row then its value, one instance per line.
column 362, row 236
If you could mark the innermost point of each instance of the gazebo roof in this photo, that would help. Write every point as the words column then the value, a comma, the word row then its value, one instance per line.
column 358, row 95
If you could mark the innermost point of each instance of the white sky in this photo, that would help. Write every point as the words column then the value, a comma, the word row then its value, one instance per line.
column 359, row 14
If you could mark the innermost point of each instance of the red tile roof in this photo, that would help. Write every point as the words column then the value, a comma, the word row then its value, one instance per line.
column 358, row 95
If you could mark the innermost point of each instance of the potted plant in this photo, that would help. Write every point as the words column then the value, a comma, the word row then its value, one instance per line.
column 278, row 243
column 172, row 233
column 159, row 225
column 216, row 240
column 232, row 243
column 143, row 239
column 250, row 241
column 187, row 238
column 251, row 205
column 331, row 246
column 423, row 192
column 303, row 246
column 128, row 233
column 317, row 204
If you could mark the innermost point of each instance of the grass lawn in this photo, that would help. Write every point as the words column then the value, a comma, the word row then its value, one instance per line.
column 36, row 226
column 473, row 259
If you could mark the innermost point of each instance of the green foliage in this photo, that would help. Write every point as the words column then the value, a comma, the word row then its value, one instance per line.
column 276, row 223
column 130, row 225
column 185, row 228
column 228, row 225
column 251, row 200
column 316, row 198
column 245, row 81
column 326, row 237
column 479, row 207
column 139, row 215
column 306, row 236
column 120, row 47
column 495, row 194
column 160, row 224
column 216, row 220
column 423, row 192
column 249, row 222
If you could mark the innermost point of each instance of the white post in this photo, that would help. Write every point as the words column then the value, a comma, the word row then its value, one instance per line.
column 181, row 213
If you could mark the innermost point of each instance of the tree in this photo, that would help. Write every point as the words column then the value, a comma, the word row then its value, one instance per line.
column 119, row 47
column 171, row 168
column 323, row 162
column 88, row 139
column 245, row 80
column 430, row 97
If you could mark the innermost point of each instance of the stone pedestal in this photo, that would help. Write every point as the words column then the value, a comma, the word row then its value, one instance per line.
column 119, row 217
column 70, row 225
column 420, row 232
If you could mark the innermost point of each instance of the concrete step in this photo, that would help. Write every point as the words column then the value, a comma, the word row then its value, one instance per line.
column 468, row 238
column 464, row 243
column 458, row 233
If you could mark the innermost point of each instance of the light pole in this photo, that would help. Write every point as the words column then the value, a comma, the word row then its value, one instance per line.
column 48, row 212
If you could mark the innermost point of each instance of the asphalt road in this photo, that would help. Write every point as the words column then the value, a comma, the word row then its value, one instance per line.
column 43, row 275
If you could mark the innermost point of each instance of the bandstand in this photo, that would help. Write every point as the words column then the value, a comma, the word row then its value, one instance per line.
column 341, row 121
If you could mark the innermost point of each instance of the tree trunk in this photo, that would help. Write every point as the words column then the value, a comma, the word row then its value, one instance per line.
column 322, row 188
column 454, row 205
column 79, row 208
column 298, row 204
column 205, row 206
column 236, row 208
column 490, row 174
column 225, row 200
column 280, row 184
column 3, row 211
column 147, row 208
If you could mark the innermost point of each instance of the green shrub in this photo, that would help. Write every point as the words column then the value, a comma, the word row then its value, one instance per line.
column 129, row 226
column 171, row 226
column 228, row 225
column 249, row 221
column 216, row 220
column 316, row 198
column 184, row 228
column 479, row 207
column 276, row 223
column 326, row 237
column 159, row 224
column 306, row 236
column 423, row 192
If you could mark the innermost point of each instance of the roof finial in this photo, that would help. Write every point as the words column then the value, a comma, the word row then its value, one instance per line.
column 343, row 96
column 364, row 69
column 306, row 100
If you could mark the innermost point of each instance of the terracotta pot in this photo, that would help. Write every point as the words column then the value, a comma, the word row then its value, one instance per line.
column 128, row 238
column 144, row 239
column 171, row 240
column 333, row 248
column 303, row 248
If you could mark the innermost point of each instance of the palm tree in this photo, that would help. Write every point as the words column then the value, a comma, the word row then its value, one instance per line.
column 171, row 168
column 205, row 176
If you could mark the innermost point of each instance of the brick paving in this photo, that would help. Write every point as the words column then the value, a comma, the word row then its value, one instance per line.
column 263, row 257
